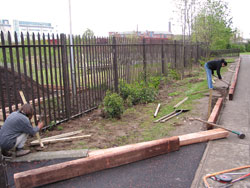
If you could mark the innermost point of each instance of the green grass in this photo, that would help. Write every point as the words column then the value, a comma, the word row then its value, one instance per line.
column 245, row 53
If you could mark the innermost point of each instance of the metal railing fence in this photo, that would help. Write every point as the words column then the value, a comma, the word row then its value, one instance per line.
column 41, row 66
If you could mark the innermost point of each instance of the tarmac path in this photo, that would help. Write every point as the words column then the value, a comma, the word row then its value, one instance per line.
column 231, row 152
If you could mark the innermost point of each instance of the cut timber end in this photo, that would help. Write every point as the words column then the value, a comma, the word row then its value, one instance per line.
column 203, row 136
column 215, row 113
column 113, row 158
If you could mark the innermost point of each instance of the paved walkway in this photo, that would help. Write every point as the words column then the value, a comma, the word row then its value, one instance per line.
column 231, row 152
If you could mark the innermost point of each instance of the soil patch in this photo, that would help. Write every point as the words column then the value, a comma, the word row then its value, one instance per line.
column 131, row 127
column 136, row 124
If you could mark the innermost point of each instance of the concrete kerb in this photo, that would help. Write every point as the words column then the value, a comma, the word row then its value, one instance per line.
column 215, row 115
column 39, row 156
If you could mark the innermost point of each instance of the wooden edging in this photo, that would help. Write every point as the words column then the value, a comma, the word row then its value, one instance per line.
column 117, row 157
column 233, row 85
column 215, row 113
column 203, row 136
column 113, row 157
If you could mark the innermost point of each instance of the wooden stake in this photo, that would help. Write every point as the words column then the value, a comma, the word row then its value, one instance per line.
column 177, row 105
column 157, row 110
column 49, row 141
column 209, row 102
column 32, row 120
column 60, row 136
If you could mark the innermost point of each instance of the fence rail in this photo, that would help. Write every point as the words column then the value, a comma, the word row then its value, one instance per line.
column 62, row 81
column 225, row 53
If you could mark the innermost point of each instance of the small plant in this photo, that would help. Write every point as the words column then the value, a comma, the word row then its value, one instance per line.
column 129, row 101
column 155, row 81
column 139, row 92
column 125, row 89
column 147, row 94
column 59, row 128
column 113, row 105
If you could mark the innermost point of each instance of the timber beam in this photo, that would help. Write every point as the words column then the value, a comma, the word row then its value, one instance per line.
column 114, row 158
column 233, row 85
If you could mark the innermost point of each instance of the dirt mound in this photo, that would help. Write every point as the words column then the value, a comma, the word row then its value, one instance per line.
column 12, row 83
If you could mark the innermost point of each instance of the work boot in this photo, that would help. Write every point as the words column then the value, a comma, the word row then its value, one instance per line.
column 22, row 152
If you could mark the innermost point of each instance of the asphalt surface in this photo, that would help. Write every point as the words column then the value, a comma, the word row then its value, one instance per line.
column 172, row 170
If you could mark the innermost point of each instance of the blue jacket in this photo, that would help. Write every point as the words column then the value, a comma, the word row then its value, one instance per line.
column 16, row 124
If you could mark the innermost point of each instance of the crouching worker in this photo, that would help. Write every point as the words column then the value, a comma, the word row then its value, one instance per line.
column 210, row 67
column 15, row 131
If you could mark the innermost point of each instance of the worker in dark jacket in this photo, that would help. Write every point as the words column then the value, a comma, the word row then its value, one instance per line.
column 210, row 67
column 16, row 129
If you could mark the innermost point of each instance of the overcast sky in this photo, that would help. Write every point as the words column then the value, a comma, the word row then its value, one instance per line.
column 102, row 16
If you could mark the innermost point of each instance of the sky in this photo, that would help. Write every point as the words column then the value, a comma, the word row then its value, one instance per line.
column 103, row 16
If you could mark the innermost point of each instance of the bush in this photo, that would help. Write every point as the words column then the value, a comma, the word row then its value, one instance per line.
column 247, row 46
column 147, row 94
column 155, row 81
column 241, row 47
column 125, row 89
column 113, row 105
column 139, row 92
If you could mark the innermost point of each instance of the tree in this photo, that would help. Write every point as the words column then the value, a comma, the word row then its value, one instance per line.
column 212, row 25
column 186, row 10
column 88, row 33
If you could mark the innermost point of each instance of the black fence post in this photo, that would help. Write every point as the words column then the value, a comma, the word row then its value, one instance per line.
column 65, row 76
column 144, row 59
column 115, row 68
column 162, row 58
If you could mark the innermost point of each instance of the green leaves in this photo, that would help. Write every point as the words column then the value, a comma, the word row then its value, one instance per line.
column 113, row 105
column 213, row 25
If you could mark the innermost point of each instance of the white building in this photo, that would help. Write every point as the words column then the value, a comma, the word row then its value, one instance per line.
column 5, row 26
column 19, row 27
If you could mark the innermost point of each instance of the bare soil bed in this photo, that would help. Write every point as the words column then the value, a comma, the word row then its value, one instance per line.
column 134, row 126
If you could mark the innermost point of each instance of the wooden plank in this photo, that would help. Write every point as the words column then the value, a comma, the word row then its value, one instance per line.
column 50, row 141
column 178, row 104
column 209, row 102
column 157, row 110
column 32, row 120
column 60, row 135
column 215, row 113
column 70, row 169
column 233, row 85
column 203, row 136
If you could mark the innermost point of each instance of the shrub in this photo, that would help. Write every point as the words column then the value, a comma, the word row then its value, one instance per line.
column 155, row 81
column 125, row 89
column 147, row 94
column 241, row 47
column 139, row 92
column 113, row 105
